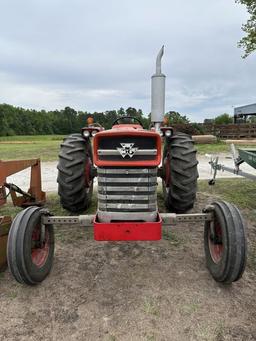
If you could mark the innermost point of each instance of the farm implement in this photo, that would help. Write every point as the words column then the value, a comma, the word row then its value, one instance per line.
column 239, row 156
column 34, row 196
column 127, row 161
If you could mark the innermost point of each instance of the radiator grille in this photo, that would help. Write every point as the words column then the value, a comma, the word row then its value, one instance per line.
column 145, row 148
column 127, row 190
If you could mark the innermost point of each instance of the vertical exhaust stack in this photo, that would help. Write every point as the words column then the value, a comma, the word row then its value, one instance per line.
column 158, row 93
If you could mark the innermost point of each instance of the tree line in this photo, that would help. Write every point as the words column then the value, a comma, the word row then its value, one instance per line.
column 20, row 121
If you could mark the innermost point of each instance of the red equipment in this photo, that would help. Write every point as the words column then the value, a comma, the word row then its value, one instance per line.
column 126, row 160
column 34, row 196
column 128, row 230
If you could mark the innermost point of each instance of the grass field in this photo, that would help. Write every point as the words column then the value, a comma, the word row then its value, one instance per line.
column 219, row 147
column 30, row 138
column 47, row 147
column 25, row 147
column 241, row 192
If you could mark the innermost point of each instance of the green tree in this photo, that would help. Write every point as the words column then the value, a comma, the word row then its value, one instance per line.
column 3, row 124
column 223, row 119
column 70, row 115
column 121, row 112
column 252, row 119
column 109, row 117
column 174, row 117
column 19, row 121
column 248, row 43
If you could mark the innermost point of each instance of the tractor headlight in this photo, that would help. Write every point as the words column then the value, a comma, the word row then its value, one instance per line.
column 168, row 133
column 86, row 133
column 94, row 133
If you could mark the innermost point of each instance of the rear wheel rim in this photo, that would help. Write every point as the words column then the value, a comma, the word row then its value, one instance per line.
column 166, row 177
column 167, row 171
column 215, row 243
column 40, row 249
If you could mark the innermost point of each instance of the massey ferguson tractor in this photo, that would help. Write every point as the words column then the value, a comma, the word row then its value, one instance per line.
column 128, row 161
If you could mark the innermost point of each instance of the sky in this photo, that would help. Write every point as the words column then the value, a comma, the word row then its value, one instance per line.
column 100, row 55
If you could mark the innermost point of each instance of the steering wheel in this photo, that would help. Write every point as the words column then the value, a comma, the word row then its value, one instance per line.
column 127, row 117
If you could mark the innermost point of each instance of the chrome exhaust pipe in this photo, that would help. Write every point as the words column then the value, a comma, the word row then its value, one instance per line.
column 158, row 93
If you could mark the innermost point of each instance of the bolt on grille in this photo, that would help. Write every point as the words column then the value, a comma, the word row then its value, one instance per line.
column 127, row 189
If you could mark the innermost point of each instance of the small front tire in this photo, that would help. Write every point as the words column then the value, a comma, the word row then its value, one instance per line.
column 30, row 246
column 225, row 243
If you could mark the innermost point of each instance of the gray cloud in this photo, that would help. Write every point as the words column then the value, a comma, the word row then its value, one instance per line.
column 94, row 55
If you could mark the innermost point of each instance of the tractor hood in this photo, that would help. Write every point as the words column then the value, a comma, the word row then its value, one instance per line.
column 127, row 145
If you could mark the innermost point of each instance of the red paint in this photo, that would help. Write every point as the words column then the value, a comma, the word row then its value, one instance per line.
column 127, row 130
column 216, row 248
column 125, row 126
column 125, row 231
column 39, row 255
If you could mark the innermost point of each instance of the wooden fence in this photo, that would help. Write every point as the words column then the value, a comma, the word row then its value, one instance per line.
column 223, row 131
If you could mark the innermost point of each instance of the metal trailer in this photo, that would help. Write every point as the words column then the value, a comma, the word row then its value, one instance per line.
column 239, row 156
column 127, row 160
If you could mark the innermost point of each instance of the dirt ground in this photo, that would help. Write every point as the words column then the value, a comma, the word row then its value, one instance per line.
column 130, row 291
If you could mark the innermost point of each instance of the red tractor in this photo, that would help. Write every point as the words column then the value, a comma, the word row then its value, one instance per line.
column 127, row 160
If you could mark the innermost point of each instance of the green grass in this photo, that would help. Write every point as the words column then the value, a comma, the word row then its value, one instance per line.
column 241, row 192
column 150, row 307
column 173, row 237
column 31, row 138
column 189, row 308
column 28, row 147
column 219, row 147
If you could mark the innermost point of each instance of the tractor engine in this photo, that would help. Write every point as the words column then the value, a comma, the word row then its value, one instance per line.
column 127, row 159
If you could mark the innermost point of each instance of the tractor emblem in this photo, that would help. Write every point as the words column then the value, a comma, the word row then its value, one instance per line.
column 127, row 149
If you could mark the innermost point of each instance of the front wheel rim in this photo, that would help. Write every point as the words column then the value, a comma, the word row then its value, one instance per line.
column 40, row 249
column 215, row 243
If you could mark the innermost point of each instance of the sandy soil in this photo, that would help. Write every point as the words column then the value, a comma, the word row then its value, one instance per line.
column 130, row 291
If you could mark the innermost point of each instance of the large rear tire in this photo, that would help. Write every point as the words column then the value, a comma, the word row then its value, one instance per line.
column 225, row 243
column 75, row 173
column 179, row 173
column 30, row 247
